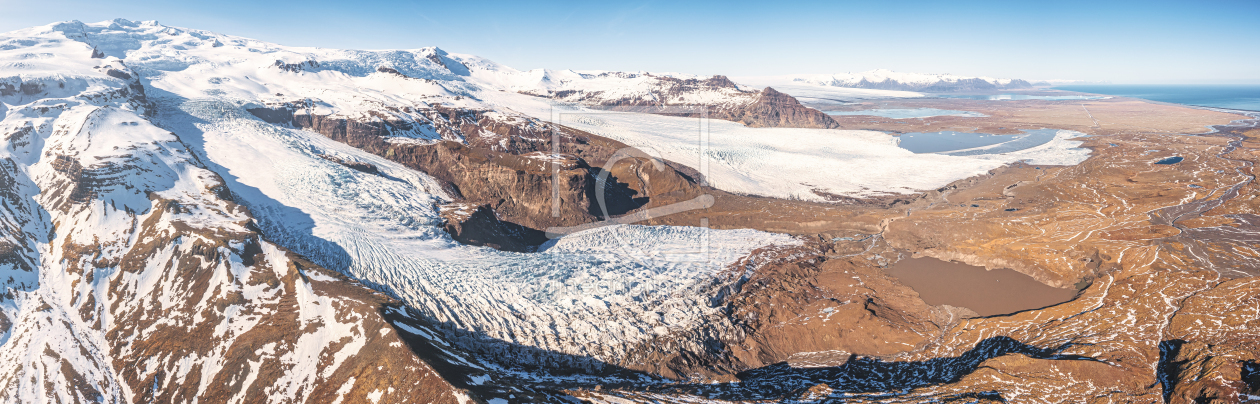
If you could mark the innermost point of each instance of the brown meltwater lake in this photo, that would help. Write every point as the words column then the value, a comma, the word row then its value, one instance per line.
column 1000, row 291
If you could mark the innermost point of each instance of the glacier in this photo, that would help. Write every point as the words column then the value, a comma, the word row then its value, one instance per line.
column 592, row 294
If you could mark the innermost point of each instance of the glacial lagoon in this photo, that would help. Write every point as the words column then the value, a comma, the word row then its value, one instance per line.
column 971, row 144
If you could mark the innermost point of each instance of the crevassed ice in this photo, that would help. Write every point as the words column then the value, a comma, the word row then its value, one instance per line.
column 576, row 294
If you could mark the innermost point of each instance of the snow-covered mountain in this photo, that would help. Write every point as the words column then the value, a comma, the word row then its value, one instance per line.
column 132, row 275
column 723, row 98
column 605, row 87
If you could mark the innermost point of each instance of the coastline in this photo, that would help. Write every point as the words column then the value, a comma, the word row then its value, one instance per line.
column 1166, row 93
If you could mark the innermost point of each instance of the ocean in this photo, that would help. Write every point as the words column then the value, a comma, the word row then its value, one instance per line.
column 1245, row 97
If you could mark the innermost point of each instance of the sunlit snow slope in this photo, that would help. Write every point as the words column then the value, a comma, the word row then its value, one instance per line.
column 129, row 277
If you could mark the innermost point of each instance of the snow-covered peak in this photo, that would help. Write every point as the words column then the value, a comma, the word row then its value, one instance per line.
column 884, row 79
column 155, row 48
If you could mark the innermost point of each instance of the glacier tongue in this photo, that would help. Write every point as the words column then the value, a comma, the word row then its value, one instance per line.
column 591, row 294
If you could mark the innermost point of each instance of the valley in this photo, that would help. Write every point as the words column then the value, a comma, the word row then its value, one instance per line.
column 190, row 216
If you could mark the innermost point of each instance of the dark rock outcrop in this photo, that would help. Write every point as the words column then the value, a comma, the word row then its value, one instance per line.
column 773, row 109
column 297, row 67
column 478, row 225
column 354, row 165
column 450, row 64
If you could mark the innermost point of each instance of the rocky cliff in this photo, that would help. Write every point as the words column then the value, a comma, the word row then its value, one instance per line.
column 773, row 109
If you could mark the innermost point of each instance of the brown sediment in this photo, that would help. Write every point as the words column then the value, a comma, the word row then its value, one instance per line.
column 987, row 292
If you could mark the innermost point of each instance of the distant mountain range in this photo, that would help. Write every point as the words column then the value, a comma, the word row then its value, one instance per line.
column 882, row 79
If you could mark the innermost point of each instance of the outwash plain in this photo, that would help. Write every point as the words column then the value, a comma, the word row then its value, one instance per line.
column 1164, row 257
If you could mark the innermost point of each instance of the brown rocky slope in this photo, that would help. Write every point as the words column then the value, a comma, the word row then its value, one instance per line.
column 1168, row 315
column 141, row 280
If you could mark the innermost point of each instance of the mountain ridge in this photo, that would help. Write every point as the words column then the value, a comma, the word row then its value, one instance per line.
column 883, row 79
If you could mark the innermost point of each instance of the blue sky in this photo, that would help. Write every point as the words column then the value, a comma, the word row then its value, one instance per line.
column 1122, row 42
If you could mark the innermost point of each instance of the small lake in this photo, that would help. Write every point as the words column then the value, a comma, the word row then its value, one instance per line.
column 1170, row 160
column 909, row 113
column 989, row 293
column 1020, row 97
column 972, row 144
